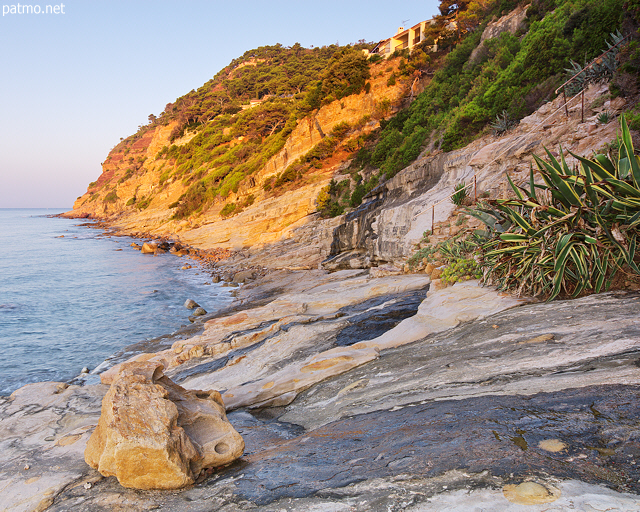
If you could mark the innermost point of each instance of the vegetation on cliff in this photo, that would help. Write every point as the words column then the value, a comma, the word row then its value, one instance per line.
column 509, row 76
column 243, row 116
column 574, row 233
column 226, row 131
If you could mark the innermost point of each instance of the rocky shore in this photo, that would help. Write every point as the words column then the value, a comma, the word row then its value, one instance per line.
column 360, row 393
column 369, row 388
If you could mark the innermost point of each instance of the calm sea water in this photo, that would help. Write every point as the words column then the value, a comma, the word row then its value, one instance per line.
column 71, row 296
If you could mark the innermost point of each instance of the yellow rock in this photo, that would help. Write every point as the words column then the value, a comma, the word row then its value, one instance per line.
column 552, row 445
column 148, row 248
column 530, row 493
column 437, row 284
column 67, row 440
column 154, row 434
column 325, row 363
column 538, row 339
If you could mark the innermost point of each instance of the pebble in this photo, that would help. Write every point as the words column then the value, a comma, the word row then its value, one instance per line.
column 191, row 304
column 26, row 466
column 85, row 370
column 61, row 387
column 552, row 445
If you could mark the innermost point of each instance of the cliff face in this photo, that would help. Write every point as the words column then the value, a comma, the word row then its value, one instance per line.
column 134, row 194
column 395, row 215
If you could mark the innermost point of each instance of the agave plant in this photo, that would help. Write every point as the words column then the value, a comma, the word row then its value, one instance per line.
column 571, row 234
column 460, row 193
column 605, row 117
column 601, row 69
column 503, row 123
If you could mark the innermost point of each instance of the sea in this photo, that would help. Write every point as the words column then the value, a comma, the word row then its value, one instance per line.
column 72, row 296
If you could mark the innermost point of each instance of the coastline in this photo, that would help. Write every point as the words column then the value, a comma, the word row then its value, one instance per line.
column 464, row 348
column 80, row 295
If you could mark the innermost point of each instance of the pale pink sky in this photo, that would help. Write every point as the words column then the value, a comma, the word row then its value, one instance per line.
column 72, row 84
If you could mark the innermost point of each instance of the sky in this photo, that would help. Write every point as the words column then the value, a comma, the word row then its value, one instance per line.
column 72, row 83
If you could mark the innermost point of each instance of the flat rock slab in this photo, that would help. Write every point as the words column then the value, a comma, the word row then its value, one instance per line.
column 44, row 429
column 448, row 447
column 534, row 348
column 542, row 393
column 444, row 309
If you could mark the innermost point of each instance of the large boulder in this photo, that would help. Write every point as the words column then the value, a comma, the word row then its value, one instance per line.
column 154, row 434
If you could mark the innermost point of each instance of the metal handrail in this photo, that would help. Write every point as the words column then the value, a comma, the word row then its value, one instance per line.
column 590, row 64
column 475, row 183
column 564, row 85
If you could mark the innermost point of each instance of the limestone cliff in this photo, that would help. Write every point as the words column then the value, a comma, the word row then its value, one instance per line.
column 134, row 194
column 395, row 215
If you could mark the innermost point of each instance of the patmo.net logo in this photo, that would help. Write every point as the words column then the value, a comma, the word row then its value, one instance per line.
column 32, row 9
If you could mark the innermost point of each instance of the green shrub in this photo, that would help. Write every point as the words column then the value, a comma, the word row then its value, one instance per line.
column 357, row 195
column 462, row 269
column 291, row 173
column 634, row 121
column 163, row 177
column 579, row 239
column 503, row 123
column 111, row 197
column 391, row 81
column 605, row 117
column 228, row 209
column 144, row 203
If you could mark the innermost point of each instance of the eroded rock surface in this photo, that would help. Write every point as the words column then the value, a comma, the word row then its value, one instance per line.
column 154, row 434
column 394, row 215
column 44, row 427
column 441, row 455
column 538, row 401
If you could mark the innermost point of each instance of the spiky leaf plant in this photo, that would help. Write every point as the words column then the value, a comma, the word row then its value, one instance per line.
column 460, row 193
column 572, row 233
column 605, row 117
column 503, row 123
column 601, row 69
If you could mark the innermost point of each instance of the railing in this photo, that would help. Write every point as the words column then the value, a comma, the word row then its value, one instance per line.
column 574, row 77
column 475, row 174
column 565, row 106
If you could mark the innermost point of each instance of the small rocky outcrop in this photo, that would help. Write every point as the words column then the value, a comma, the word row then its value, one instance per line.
column 191, row 304
column 154, row 434
column 148, row 248
column 243, row 276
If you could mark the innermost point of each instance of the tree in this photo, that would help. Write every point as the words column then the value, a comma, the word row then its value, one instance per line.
column 448, row 7
column 348, row 71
